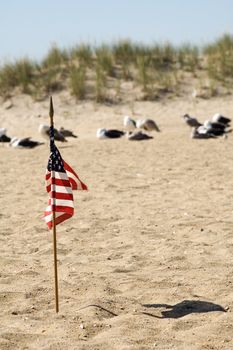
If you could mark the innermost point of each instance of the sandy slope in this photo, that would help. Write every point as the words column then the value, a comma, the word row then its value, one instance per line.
column 154, row 230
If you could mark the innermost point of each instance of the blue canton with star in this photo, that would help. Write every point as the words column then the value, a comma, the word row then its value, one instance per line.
column 55, row 162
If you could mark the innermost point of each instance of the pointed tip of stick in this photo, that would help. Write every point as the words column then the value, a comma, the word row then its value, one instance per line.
column 51, row 110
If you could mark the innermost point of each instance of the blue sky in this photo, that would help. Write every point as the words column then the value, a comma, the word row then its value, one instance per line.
column 30, row 27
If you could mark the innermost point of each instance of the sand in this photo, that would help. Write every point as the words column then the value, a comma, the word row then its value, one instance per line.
column 147, row 260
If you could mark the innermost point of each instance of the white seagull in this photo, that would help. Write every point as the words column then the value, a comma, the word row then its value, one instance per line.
column 24, row 143
column 129, row 123
column 218, row 118
column 201, row 132
column 3, row 136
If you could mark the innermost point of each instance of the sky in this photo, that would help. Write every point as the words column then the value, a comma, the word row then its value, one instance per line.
column 28, row 28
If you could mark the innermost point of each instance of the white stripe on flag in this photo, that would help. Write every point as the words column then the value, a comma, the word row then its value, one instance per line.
column 62, row 176
column 60, row 202
column 49, row 217
column 61, row 189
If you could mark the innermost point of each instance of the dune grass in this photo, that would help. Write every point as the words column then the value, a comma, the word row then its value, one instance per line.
column 78, row 82
column 157, row 70
column 104, row 59
column 82, row 53
column 19, row 74
column 220, row 60
column 100, row 84
column 55, row 58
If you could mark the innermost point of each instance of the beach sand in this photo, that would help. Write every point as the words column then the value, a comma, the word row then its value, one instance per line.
column 146, row 262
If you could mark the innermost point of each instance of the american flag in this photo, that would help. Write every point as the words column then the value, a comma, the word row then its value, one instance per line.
column 61, row 180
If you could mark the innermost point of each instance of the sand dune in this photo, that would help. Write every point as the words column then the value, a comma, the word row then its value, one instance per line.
column 147, row 260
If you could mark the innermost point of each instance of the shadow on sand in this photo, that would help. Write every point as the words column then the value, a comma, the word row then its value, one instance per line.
column 184, row 308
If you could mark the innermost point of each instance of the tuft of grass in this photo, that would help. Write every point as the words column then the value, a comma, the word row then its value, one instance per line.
column 144, row 78
column 51, row 81
column 124, row 55
column 21, row 74
column 7, row 79
column 220, row 59
column 100, row 84
column 104, row 58
column 83, row 53
column 25, row 72
column 46, row 83
column 55, row 58
column 78, row 82
column 188, row 57
column 163, row 56
column 166, row 81
column 124, row 51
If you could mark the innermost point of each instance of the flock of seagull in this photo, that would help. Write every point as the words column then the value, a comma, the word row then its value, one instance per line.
column 133, row 130
column 137, row 130
column 217, row 126
column 27, row 142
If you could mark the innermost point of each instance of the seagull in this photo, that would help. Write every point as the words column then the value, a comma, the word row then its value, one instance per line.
column 3, row 136
column 24, row 143
column 218, row 118
column 109, row 134
column 201, row 133
column 44, row 131
column 191, row 121
column 67, row 133
column 215, row 128
column 129, row 123
column 138, row 136
column 147, row 124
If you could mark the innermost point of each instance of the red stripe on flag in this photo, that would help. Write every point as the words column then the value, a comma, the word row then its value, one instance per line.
column 60, row 182
column 61, row 209
column 59, row 195
column 74, row 182
column 58, row 220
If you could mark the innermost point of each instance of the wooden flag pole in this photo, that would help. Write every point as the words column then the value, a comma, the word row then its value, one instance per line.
column 51, row 112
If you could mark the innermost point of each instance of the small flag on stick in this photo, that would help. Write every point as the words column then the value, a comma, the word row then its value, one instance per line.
column 61, row 180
